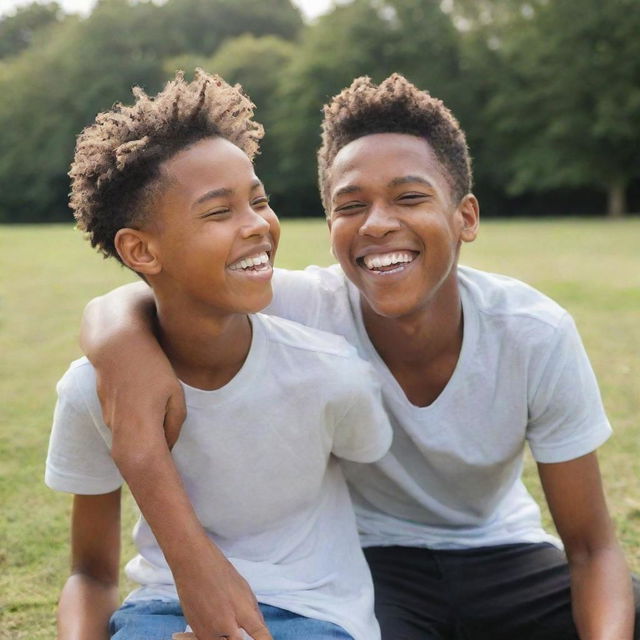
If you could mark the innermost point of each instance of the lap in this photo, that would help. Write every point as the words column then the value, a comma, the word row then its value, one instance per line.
column 285, row 625
column 147, row 620
column 507, row 591
column 158, row 620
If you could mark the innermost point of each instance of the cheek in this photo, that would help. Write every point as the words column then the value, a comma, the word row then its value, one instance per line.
column 274, row 227
column 340, row 235
column 336, row 245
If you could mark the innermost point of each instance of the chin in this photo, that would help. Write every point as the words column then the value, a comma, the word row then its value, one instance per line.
column 389, row 309
column 257, row 303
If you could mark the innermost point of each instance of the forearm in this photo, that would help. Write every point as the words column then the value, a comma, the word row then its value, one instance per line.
column 602, row 597
column 85, row 606
column 153, row 479
column 215, row 599
column 127, row 310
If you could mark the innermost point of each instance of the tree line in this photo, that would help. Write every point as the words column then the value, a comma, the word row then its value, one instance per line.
column 548, row 91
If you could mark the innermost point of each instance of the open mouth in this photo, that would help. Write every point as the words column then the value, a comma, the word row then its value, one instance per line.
column 257, row 262
column 390, row 262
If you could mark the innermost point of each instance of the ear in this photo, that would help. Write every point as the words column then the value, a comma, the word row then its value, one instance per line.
column 137, row 251
column 469, row 209
column 331, row 251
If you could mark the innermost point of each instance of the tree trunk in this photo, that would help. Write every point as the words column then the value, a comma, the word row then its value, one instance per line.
column 617, row 198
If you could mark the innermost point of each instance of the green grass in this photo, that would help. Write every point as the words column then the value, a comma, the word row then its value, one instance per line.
column 48, row 273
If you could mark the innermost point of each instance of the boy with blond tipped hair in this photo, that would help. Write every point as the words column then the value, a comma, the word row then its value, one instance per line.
column 167, row 187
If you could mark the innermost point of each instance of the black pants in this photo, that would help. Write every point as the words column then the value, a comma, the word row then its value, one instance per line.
column 508, row 592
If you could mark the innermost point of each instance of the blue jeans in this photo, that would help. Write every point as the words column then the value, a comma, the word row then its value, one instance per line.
column 158, row 620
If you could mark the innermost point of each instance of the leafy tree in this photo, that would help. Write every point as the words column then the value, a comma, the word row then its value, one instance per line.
column 201, row 26
column 17, row 31
column 548, row 91
column 51, row 92
column 566, row 106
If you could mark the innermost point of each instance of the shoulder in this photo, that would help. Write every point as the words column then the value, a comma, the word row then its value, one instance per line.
column 316, row 296
column 78, row 386
column 309, row 286
column 503, row 300
column 294, row 336
column 329, row 278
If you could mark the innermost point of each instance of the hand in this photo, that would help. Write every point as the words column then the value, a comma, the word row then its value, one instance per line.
column 217, row 601
column 136, row 383
column 135, row 398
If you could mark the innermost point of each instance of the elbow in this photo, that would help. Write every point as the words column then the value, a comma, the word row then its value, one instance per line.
column 103, row 579
column 583, row 550
column 139, row 458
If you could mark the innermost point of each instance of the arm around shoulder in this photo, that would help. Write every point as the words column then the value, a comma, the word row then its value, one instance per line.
column 129, row 308
column 117, row 336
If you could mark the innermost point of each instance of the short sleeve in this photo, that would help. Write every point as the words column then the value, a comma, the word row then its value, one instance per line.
column 79, row 459
column 363, row 434
column 566, row 416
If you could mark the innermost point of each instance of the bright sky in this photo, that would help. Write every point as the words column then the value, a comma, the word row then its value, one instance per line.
column 310, row 8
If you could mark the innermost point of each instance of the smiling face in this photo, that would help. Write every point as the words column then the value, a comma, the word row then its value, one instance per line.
column 394, row 227
column 212, row 231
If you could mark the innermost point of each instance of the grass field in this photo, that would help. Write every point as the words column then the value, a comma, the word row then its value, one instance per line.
column 48, row 273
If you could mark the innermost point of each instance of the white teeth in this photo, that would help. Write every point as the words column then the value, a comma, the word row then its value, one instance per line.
column 250, row 261
column 378, row 260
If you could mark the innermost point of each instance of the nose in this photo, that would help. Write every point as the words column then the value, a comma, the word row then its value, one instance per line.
column 378, row 222
column 254, row 224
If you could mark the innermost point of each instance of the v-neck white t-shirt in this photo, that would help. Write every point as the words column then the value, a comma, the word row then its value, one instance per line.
column 259, row 461
column 452, row 478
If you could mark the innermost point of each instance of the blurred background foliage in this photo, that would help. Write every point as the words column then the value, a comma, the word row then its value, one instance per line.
column 548, row 91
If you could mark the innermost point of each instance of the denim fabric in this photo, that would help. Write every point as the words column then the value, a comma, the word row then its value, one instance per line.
column 158, row 620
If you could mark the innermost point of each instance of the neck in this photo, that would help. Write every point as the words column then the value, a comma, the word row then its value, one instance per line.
column 427, row 334
column 205, row 349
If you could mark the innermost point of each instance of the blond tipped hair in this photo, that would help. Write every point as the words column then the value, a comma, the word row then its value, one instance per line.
column 116, row 168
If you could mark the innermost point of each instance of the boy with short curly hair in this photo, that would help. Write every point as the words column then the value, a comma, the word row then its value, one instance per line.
column 167, row 186
column 473, row 367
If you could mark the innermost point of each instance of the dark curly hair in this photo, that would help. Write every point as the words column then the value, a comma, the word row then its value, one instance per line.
column 115, row 170
column 393, row 106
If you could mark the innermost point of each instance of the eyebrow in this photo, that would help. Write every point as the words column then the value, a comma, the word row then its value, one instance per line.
column 222, row 192
column 409, row 179
column 396, row 182
column 352, row 188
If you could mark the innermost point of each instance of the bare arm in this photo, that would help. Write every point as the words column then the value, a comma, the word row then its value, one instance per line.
column 138, row 390
column 601, row 594
column 215, row 599
column 90, row 595
column 136, row 383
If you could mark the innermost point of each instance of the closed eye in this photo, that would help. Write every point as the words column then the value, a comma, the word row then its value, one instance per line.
column 413, row 198
column 215, row 212
column 350, row 208
column 261, row 201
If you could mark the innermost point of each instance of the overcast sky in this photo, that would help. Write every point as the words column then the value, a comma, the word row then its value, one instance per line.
column 310, row 8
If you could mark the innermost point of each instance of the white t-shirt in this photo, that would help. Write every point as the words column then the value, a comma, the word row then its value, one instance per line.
column 452, row 476
column 256, row 459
